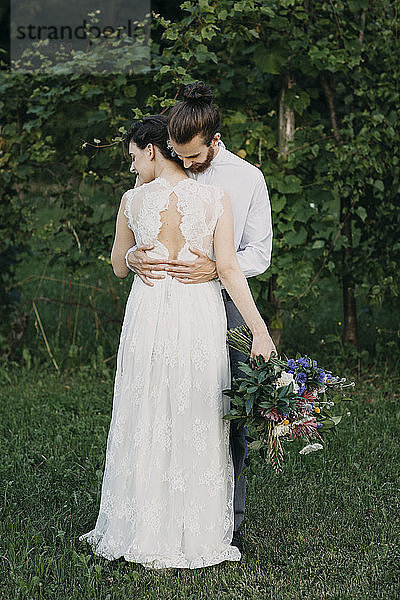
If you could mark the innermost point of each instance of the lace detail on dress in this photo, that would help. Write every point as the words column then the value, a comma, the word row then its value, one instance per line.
column 127, row 210
column 199, row 204
column 172, row 561
column 200, row 213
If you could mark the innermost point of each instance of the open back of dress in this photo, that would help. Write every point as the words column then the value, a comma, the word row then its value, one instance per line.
column 170, row 235
column 174, row 217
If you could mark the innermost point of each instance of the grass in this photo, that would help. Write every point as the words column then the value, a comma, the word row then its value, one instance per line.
column 326, row 528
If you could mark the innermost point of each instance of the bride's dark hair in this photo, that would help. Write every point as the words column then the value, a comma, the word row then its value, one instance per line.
column 151, row 130
column 196, row 114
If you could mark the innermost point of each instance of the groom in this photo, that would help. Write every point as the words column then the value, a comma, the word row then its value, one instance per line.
column 193, row 127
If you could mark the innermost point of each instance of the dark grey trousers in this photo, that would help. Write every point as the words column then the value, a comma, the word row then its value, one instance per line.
column 238, row 442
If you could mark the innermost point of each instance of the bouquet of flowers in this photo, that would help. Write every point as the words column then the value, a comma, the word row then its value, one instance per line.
column 282, row 399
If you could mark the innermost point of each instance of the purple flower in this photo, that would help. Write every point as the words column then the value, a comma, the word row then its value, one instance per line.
column 291, row 363
column 301, row 377
column 301, row 390
column 321, row 377
column 303, row 362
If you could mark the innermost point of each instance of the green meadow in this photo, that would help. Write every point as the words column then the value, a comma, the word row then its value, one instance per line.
column 325, row 528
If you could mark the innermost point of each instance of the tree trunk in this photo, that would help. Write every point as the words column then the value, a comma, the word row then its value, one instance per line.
column 350, row 332
column 286, row 117
column 286, row 135
column 350, row 329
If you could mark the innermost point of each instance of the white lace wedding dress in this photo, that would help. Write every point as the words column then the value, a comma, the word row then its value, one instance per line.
column 167, row 491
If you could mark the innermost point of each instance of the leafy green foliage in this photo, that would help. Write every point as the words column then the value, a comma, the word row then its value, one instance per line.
column 60, row 199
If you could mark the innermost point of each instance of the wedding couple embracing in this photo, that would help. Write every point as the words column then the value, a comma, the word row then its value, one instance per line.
column 196, row 224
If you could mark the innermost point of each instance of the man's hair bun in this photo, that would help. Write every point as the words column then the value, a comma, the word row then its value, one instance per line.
column 198, row 92
column 195, row 114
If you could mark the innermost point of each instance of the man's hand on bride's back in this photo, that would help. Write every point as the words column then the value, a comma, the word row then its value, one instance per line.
column 144, row 265
column 200, row 270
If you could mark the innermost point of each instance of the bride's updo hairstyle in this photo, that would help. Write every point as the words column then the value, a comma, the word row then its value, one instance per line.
column 196, row 114
column 151, row 130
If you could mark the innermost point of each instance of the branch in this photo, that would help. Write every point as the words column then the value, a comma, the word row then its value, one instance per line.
column 38, row 320
column 323, row 137
column 32, row 277
column 337, row 21
column 331, row 105
column 361, row 37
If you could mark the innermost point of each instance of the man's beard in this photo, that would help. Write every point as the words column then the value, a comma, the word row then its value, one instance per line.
column 201, row 167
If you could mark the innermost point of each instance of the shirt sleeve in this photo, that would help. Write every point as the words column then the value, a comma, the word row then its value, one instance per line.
column 254, row 252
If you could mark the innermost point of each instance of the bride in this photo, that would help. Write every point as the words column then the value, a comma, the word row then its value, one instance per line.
column 167, row 491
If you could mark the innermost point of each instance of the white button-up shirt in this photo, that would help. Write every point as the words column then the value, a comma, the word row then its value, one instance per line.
column 245, row 185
